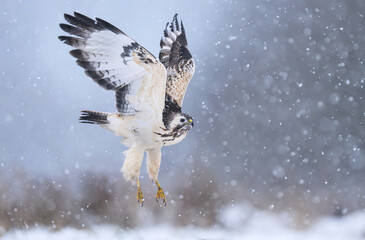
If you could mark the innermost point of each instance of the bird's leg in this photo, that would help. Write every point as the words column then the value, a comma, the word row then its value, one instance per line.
column 140, row 198
column 160, row 193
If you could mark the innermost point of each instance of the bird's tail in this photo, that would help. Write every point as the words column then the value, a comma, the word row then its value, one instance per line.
column 93, row 117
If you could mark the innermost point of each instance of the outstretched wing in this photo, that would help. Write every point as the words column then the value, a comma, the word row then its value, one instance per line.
column 116, row 62
column 178, row 61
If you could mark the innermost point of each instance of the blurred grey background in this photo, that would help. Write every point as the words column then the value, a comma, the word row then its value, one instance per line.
column 278, row 100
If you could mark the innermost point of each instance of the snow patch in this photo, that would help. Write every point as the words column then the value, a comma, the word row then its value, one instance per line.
column 236, row 222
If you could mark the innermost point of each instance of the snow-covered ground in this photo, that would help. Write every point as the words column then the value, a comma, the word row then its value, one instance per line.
column 250, row 225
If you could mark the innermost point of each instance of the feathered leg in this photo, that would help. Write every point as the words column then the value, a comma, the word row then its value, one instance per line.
column 131, row 169
column 153, row 165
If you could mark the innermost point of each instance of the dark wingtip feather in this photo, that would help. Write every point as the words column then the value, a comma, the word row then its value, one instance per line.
column 72, row 41
column 184, row 41
column 174, row 19
column 85, row 65
column 84, row 18
column 94, row 74
column 90, row 23
column 82, row 22
column 74, row 30
column 106, row 25
column 69, row 18
column 87, row 24
column 176, row 22
column 106, row 83
column 182, row 27
column 179, row 49
column 165, row 31
column 77, row 53
column 90, row 65
column 69, row 40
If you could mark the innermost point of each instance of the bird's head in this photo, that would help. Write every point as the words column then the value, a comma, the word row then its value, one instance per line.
column 181, row 121
column 177, row 127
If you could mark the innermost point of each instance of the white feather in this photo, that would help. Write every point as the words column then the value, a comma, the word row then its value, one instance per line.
column 167, row 41
column 171, row 34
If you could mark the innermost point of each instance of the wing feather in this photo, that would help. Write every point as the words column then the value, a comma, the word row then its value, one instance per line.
column 177, row 59
column 116, row 62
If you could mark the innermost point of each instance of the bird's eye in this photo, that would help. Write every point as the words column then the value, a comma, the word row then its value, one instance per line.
column 182, row 120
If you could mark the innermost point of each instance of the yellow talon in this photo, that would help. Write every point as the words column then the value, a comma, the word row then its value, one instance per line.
column 160, row 193
column 140, row 198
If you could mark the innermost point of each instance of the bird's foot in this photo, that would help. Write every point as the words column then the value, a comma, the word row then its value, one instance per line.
column 140, row 198
column 160, row 194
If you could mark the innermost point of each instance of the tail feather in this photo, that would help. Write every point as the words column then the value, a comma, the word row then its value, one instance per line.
column 93, row 117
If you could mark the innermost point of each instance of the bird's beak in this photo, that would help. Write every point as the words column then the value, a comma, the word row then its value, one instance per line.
column 191, row 122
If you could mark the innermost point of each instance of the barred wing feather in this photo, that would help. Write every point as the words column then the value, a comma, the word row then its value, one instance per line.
column 177, row 59
column 116, row 62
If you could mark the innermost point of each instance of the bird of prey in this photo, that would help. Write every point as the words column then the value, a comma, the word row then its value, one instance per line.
column 149, row 92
